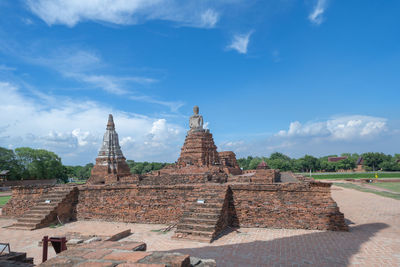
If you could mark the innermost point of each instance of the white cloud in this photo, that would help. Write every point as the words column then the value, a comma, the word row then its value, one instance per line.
column 88, row 67
column 209, row 18
column 125, row 12
column 240, row 42
column 74, row 129
column 355, row 134
column 316, row 16
column 6, row 68
column 338, row 128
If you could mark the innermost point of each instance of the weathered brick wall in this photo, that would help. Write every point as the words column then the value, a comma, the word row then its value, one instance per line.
column 174, row 179
column 286, row 205
column 305, row 205
column 131, row 203
column 102, row 173
column 265, row 176
column 23, row 198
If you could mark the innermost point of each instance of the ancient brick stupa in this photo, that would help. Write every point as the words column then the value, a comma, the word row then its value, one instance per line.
column 199, row 148
column 110, row 163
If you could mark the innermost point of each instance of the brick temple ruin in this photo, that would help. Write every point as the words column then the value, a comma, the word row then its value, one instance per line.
column 203, row 193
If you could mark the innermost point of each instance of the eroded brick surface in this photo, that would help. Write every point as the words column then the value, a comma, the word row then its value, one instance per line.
column 104, row 254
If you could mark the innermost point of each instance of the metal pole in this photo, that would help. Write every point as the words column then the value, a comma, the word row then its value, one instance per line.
column 45, row 241
column 63, row 244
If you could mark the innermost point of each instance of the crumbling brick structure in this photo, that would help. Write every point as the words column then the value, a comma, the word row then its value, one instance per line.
column 199, row 149
column 203, row 193
column 110, row 163
column 199, row 154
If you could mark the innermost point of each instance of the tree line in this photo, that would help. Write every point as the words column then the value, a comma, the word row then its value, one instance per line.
column 372, row 161
column 26, row 163
column 29, row 164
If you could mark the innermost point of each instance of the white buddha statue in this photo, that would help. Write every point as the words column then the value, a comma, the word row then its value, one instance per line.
column 196, row 121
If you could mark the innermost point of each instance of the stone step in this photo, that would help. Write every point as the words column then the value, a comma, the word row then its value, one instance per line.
column 54, row 196
column 205, row 205
column 46, row 205
column 200, row 215
column 209, row 194
column 35, row 213
column 52, row 200
column 196, row 227
column 42, row 210
column 23, row 226
column 34, row 216
column 195, row 220
column 210, row 200
column 215, row 211
column 196, row 234
column 30, row 220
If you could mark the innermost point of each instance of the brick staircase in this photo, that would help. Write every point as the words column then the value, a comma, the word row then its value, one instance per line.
column 204, row 221
column 56, row 202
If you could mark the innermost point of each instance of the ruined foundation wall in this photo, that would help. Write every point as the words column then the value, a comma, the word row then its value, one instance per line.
column 175, row 179
column 131, row 203
column 286, row 205
column 307, row 205
column 23, row 198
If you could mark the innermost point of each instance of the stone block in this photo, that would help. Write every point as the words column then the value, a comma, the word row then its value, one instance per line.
column 119, row 235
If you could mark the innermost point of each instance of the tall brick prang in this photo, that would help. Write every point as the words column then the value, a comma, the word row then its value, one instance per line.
column 110, row 162
column 199, row 148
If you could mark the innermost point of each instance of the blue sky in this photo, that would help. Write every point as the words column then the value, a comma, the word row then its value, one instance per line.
column 296, row 76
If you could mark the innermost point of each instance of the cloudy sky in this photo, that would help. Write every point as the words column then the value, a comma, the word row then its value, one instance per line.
column 296, row 76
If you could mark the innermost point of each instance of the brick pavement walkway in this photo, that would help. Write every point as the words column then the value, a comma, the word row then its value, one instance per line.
column 373, row 240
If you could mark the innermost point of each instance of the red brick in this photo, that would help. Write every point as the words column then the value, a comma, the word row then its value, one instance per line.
column 127, row 256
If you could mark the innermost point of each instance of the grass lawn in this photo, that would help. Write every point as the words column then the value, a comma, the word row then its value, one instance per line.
column 4, row 200
column 355, row 175
column 362, row 189
column 391, row 186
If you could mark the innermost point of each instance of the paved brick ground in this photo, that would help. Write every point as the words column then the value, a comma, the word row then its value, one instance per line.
column 373, row 240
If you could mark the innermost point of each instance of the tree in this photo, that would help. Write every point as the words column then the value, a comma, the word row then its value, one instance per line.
column 79, row 172
column 144, row 167
column 308, row 163
column 254, row 163
column 372, row 160
column 40, row 164
column 244, row 162
column 328, row 166
column 8, row 161
column 280, row 156
column 391, row 165
column 346, row 164
column 280, row 161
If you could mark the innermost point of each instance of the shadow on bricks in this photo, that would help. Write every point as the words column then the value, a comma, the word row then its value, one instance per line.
column 327, row 248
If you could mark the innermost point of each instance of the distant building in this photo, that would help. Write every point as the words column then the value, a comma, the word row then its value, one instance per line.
column 336, row 159
column 4, row 175
column 359, row 165
column 262, row 166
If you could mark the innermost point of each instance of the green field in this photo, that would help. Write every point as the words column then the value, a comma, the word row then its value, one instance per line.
column 356, row 175
column 363, row 189
column 391, row 186
column 4, row 200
